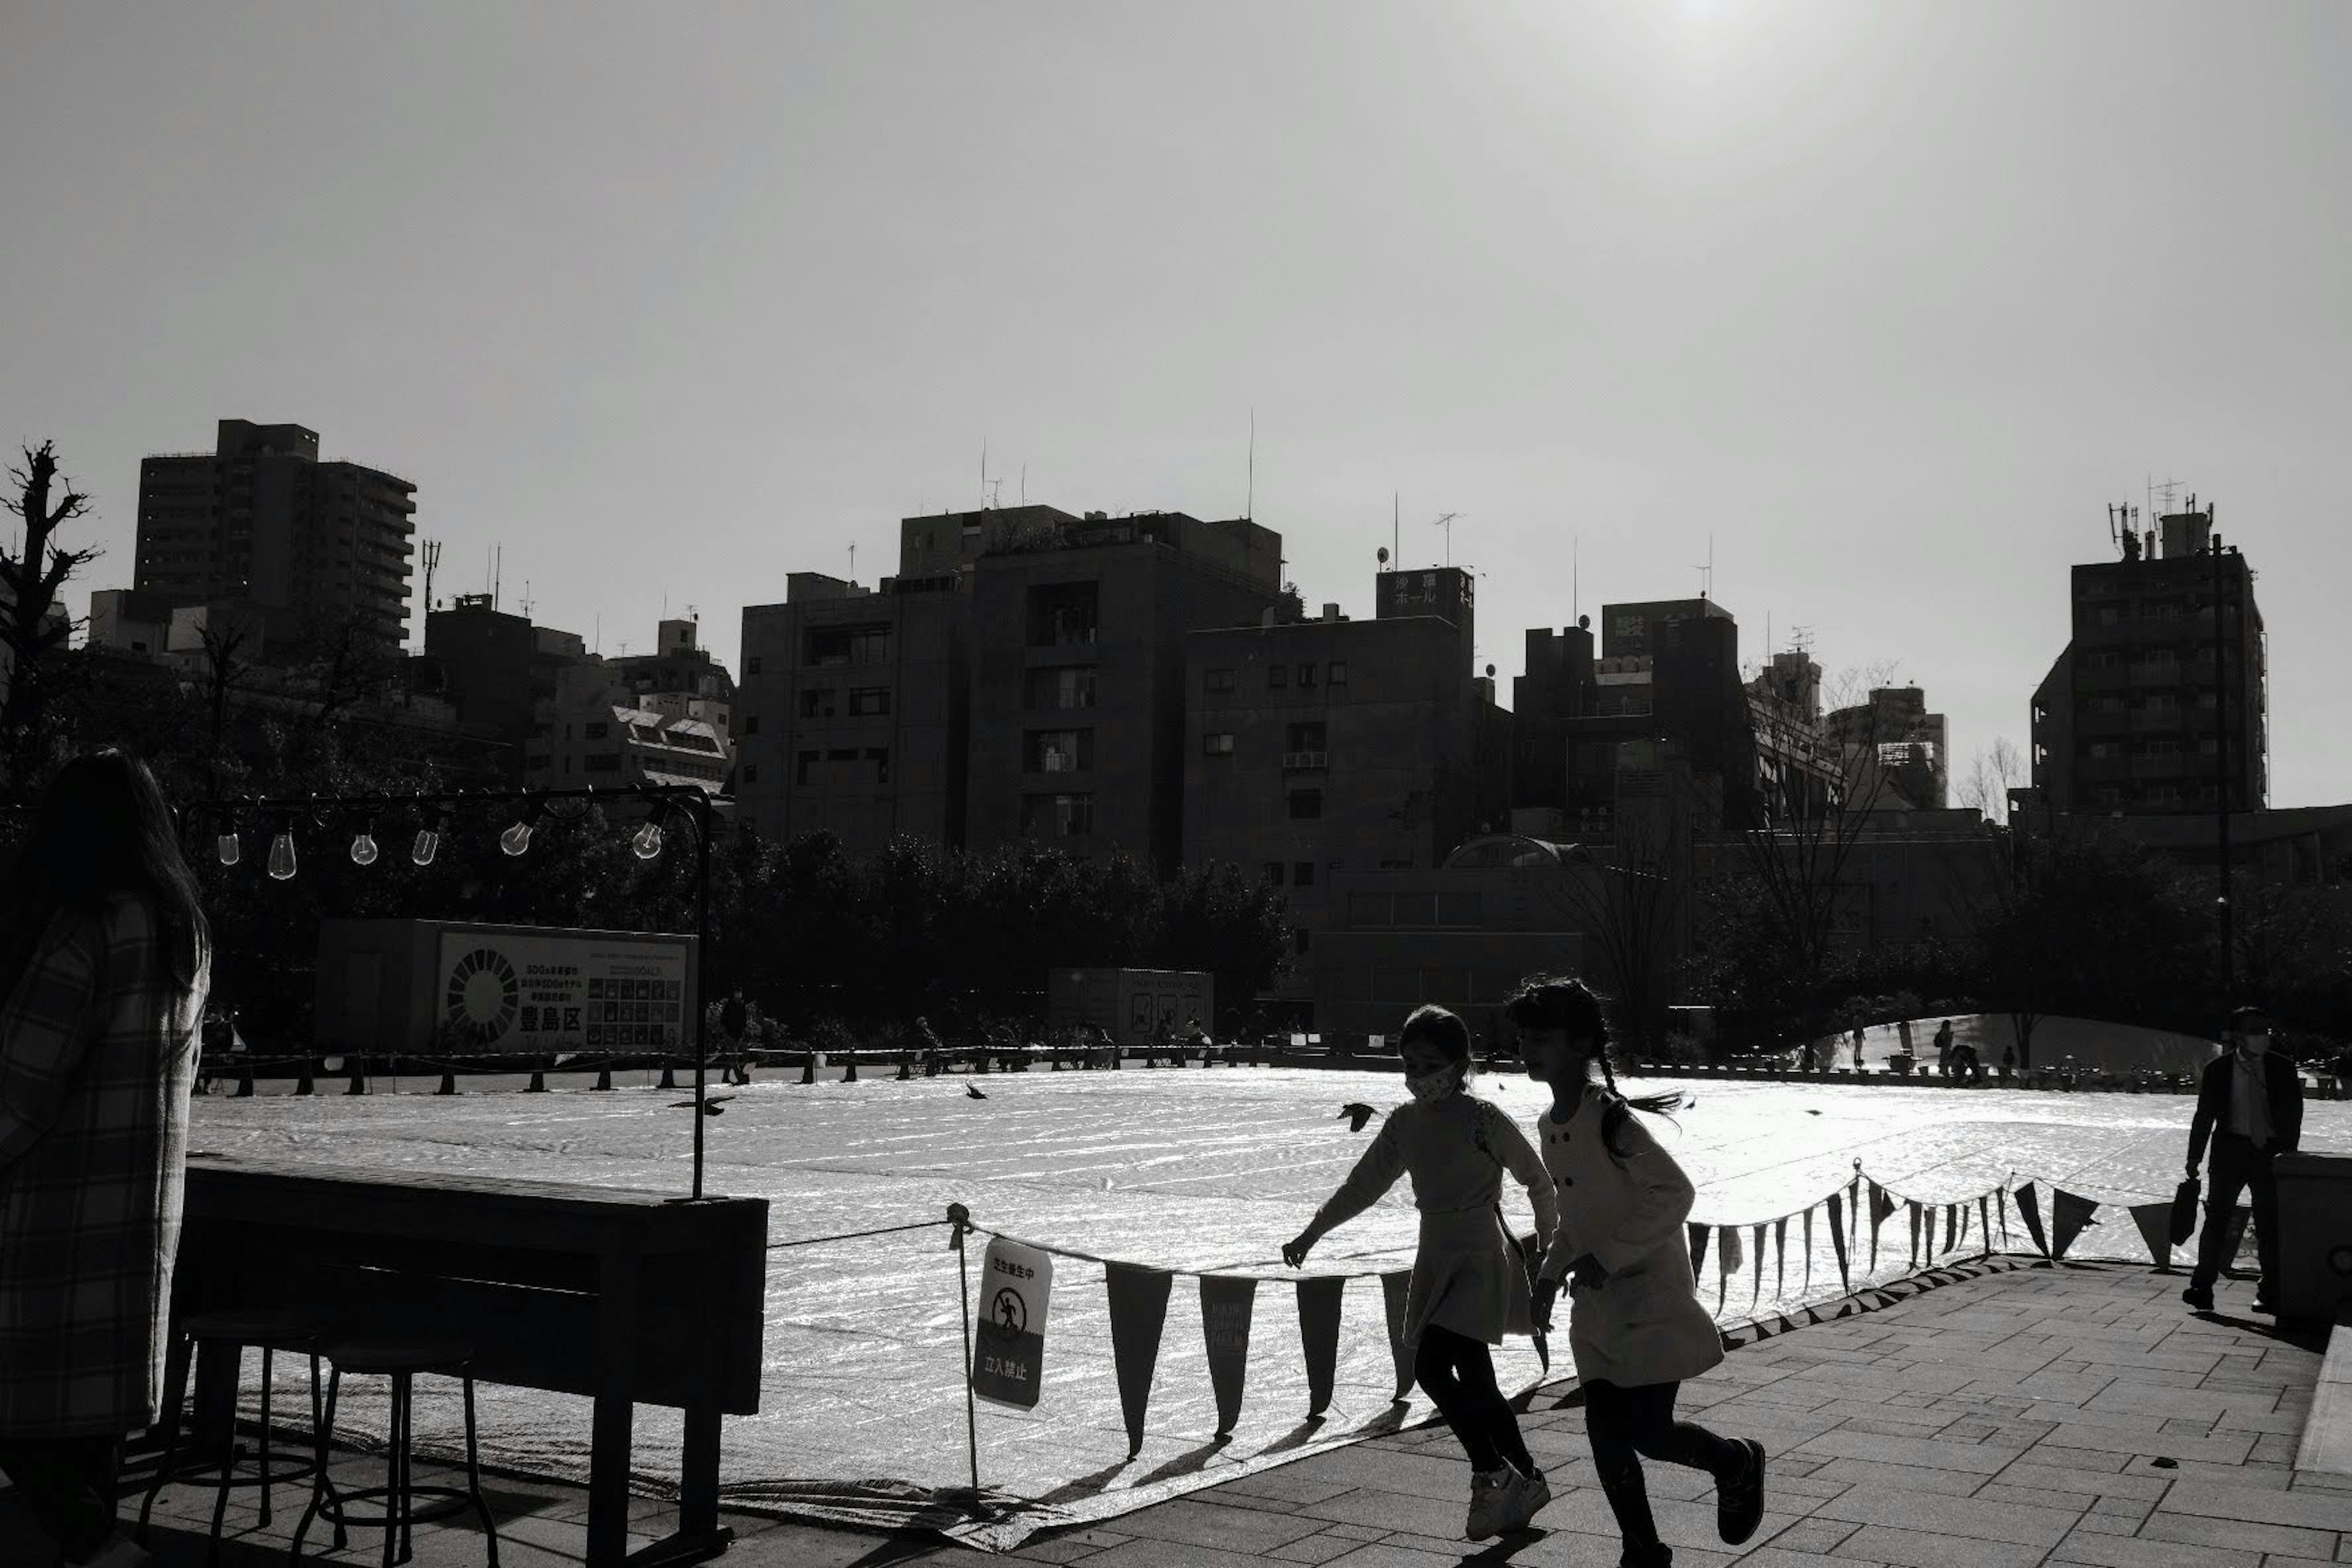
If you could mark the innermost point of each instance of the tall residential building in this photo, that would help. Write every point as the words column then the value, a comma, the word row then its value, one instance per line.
column 2132, row 717
column 261, row 520
column 1896, row 754
column 1316, row 747
column 1667, row 670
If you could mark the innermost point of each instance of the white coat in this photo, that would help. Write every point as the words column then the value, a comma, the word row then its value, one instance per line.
column 1644, row 1323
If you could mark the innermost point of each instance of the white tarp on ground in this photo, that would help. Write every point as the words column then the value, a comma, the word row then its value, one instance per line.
column 863, row 1411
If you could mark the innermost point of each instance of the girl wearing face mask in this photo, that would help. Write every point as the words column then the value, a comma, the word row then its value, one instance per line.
column 1455, row 1149
column 1636, row 1327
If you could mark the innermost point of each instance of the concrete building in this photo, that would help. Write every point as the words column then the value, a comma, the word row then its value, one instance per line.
column 1800, row 771
column 261, row 518
column 500, row 673
column 1077, row 667
column 1667, row 670
column 1313, row 747
column 1560, row 685
column 2130, row 718
column 853, row 710
column 124, row 620
column 1894, row 751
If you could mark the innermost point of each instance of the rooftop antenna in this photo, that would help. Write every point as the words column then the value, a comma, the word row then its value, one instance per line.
column 1706, row 573
column 497, row 571
column 527, row 600
column 1396, row 543
column 1446, row 521
column 984, row 470
column 993, row 486
column 1249, row 507
column 599, row 648
column 1575, row 574
column 1024, row 484
column 432, row 560
column 853, row 562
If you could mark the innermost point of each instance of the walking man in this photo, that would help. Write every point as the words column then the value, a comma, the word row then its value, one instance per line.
column 2251, row 1105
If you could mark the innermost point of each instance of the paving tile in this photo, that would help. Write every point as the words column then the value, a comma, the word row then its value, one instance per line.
column 1388, row 1555
column 2313, row 1510
column 2195, row 1529
column 2035, row 1497
column 1168, row 1554
column 2131, row 1552
column 1198, row 1520
column 1290, row 1484
column 1960, row 1519
column 2031, row 1471
column 1898, row 1478
column 1813, row 1535
column 1927, row 1453
column 2222, row 1451
column 1310, row 1549
column 1916, row 1549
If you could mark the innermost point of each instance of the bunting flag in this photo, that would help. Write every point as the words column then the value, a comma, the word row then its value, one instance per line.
column 1963, row 1209
column 2069, row 1213
column 2002, row 1210
column 1808, row 1286
column 1780, row 1258
column 1880, row 1207
column 1755, row 1291
column 1697, row 1248
column 1138, row 1311
column 1226, row 1303
column 2029, row 1209
column 1393, row 1288
column 1854, row 1208
column 1727, row 1262
column 1319, row 1335
column 2155, row 1222
column 1837, row 1244
column 1984, row 1223
column 1917, row 1213
column 1951, row 1227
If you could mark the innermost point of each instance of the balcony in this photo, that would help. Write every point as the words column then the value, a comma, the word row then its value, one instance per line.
column 1305, row 761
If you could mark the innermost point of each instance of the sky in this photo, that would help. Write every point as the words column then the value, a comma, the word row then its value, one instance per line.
column 1884, row 303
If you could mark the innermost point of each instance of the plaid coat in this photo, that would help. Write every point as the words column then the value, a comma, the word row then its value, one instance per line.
column 97, row 1056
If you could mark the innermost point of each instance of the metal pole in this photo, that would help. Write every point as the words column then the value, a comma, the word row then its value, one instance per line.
column 702, row 973
column 956, row 1217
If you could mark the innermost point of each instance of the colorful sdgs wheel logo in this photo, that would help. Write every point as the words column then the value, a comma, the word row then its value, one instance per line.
column 484, row 996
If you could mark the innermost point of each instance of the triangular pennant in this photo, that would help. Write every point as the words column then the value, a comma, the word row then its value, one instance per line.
column 1393, row 1288
column 1808, row 1286
column 1882, row 1205
column 2069, row 1213
column 1318, row 1336
column 1780, row 1258
column 2002, row 1211
column 1951, row 1227
column 1916, row 1214
column 2155, row 1222
column 1963, row 1209
column 1697, row 1246
column 1727, row 1261
column 1984, row 1223
column 1837, row 1242
column 1138, row 1311
column 1755, row 1291
column 2029, row 1209
column 1226, row 1303
column 1877, row 1218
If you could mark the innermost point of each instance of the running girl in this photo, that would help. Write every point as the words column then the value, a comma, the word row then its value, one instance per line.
column 1635, row 1325
column 1455, row 1149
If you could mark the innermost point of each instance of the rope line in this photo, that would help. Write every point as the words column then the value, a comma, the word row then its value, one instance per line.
column 858, row 1234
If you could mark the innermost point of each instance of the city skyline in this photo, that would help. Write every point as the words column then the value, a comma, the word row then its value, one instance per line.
column 1885, row 308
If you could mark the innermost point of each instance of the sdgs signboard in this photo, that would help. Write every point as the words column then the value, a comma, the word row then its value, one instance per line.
column 564, row 991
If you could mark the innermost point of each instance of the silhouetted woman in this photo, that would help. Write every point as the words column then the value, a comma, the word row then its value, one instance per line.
column 104, row 963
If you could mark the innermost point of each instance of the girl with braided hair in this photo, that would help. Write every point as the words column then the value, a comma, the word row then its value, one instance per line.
column 1637, row 1328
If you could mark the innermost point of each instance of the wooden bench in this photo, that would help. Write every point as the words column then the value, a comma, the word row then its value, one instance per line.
column 627, row 1297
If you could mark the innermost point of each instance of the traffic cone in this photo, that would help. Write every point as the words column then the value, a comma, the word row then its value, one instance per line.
column 669, row 1076
column 605, row 1077
column 449, row 1083
column 538, row 1083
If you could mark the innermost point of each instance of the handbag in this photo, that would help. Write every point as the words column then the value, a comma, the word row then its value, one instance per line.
column 2184, row 1211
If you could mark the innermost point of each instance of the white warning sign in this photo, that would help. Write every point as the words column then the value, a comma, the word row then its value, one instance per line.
column 1009, row 1349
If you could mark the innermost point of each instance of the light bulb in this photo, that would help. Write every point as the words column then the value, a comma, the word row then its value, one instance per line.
column 427, row 842
column 363, row 848
column 281, row 855
column 226, row 846
column 647, row 841
column 516, row 838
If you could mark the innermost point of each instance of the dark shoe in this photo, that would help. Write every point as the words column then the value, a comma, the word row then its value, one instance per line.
column 2263, row 1305
column 1739, row 1501
column 1651, row 1557
column 2198, row 1298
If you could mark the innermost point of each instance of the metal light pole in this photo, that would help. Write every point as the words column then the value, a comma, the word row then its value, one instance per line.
column 2222, row 763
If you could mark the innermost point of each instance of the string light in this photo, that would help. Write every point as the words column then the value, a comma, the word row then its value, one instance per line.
column 363, row 849
column 646, row 843
column 281, row 852
column 226, row 846
column 428, row 841
column 517, row 837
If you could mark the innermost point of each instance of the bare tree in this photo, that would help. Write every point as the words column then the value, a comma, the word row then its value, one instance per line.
column 31, row 628
column 1628, row 897
column 347, row 665
column 222, row 668
column 1997, row 770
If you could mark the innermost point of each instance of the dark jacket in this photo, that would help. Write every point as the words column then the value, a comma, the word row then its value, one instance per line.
column 2213, row 1095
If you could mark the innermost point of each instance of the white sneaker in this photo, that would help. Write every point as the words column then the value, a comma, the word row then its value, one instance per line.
column 1492, row 1497
column 1530, row 1494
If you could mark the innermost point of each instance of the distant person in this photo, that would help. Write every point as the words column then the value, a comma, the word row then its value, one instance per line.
column 2008, row 1062
column 105, row 961
column 1859, row 1033
column 1457, row 1149
column 2250, row 1104
column 1805, row 1059
column 1903, row 1033
column 1944, row 1048
column 1636, row 1326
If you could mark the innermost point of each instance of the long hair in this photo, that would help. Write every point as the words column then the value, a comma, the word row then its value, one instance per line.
column 101, row 828
column 1543, row 1001
column 1432, row 1025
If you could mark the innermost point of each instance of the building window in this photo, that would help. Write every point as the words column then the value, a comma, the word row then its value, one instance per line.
column 1306, row 676
column 878, row 758
column 804, row 767
column 1057, row 750
column 752, row 665
column 1337, row 675
column 1217, row 745
column 1277, row 675
column 601, row 763
column 1298, row 940
column 869, row 699
column 1302, row 875
column 1215, row 681
column 750, row 724
column 1057, row 816
column 750, row 773
column 596, row 731
column 1304, row 738
column 1059, row 690
column 833, row 646
column 536, row 765
column 1273, row 873
column 1305, row 804
column 816, row 702
column 1064, row 614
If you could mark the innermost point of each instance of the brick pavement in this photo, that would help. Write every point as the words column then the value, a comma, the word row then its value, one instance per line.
column 2066, row 1416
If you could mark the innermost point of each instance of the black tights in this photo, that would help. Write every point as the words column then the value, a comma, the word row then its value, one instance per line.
column 1458, row 1375
column 67, row 1486
column 1628, row 1425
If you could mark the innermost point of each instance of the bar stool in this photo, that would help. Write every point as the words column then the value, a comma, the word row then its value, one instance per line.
column 270, row 1330
column 399, row 1360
